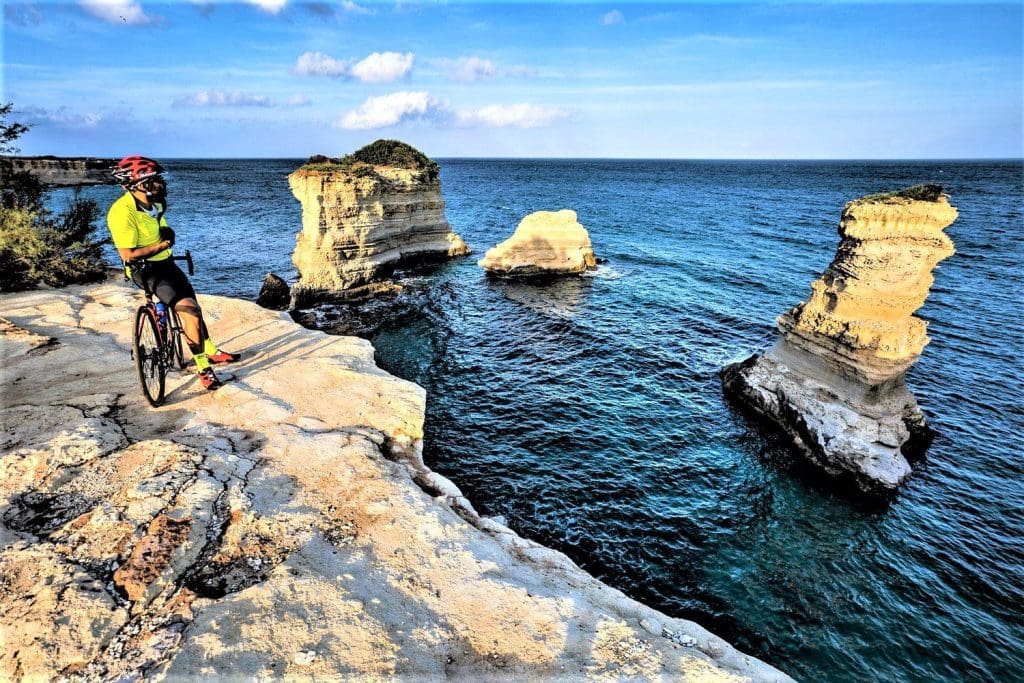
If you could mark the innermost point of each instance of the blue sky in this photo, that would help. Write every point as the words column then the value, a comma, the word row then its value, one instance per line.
column 281, row 78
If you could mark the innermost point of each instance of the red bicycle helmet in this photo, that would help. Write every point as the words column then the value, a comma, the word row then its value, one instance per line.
column 134, row 169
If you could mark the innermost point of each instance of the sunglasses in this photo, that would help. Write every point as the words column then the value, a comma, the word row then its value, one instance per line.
column 150, row 183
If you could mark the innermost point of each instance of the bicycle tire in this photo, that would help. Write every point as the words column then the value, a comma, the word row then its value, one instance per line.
column 150, row 366
column 177, row 346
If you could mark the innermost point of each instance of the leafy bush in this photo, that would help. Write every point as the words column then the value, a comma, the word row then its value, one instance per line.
column 36, row 245
column 56, row 250
column 393, row 153
column 378, row 153
column 22, row 250
column 921, row 193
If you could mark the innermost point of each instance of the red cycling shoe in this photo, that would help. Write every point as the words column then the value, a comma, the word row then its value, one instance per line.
column 224, row 357
column 209, row 380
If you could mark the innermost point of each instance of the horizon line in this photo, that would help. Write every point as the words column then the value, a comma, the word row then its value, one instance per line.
column 537, row 158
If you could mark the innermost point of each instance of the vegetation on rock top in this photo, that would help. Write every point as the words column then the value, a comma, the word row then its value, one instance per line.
column 394, row 153
column 921, row 193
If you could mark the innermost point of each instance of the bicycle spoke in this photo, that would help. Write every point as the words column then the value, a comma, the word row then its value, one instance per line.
column 149, row 362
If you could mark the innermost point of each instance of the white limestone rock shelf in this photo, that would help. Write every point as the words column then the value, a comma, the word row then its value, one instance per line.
column 283, row 526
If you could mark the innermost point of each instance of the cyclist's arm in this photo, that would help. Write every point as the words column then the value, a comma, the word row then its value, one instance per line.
column 129, row 253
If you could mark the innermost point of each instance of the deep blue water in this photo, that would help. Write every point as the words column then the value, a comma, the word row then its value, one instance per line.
column 588, row 412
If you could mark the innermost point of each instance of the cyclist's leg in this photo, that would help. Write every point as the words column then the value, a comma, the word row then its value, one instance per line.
column 174, row 289
column 186, row 304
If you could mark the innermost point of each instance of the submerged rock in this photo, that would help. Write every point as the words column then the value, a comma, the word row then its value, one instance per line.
column 834, row 381
column 274, row 293
column 364, row 215
column 544, row 243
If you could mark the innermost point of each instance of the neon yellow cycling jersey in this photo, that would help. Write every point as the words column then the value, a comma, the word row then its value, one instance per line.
column 131, row 228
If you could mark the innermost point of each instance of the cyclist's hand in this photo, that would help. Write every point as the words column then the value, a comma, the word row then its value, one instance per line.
column 167, row 234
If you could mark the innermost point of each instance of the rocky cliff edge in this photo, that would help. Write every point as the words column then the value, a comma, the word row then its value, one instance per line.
column 66, row 172
column 283, row 526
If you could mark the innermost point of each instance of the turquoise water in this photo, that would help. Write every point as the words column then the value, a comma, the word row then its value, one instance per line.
column 588, row 412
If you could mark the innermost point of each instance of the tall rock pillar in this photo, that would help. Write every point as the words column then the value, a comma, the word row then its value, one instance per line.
column 363, row 216
column 834, row 380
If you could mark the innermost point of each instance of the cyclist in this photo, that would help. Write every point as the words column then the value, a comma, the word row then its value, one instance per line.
column 144, row 240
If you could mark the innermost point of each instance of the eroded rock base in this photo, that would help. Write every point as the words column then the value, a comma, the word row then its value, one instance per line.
column 859, row 438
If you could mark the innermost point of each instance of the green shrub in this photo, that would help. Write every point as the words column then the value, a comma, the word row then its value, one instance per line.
column 378, row 153
column 393, row 153
column 56, row 250
column 22, row 250
column 36, row 245
column 921, row 193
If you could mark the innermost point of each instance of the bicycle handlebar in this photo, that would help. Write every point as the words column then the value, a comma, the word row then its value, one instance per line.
column 187, row 258
column 137, row 263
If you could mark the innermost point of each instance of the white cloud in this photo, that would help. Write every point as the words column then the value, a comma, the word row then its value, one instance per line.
column 388, row 110
column 383, row 67
column 221, row 98
column 319, row 64
column 612, row 18
column 116, row 11
column 471, row 68
column 353, row 8
column 523, row 115
column 477, row 69
column 379, row 67
column 298, row 101
column 64, row 118
column 271, row 6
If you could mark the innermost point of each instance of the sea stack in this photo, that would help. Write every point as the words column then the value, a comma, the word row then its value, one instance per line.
column 365, row 214
column 834, row 380
column 544, row 243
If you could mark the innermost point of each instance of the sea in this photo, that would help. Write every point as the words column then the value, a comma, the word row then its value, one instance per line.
column 588, row 414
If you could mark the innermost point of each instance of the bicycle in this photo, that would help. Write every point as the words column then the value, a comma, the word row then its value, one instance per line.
column 157, row 339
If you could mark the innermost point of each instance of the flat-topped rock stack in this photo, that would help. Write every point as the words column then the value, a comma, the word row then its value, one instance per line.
column 835, row 378
column 544, row 243
column 364, row 215
column 66, row 171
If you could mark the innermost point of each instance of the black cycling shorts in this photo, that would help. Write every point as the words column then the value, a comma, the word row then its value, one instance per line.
column 166, row 280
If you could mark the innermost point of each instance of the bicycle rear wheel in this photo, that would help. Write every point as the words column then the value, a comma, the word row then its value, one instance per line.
column 149, row 361
column 177, row 347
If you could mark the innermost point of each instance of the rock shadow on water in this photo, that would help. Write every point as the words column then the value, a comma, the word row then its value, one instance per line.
column 557, row 295
column 393, row 304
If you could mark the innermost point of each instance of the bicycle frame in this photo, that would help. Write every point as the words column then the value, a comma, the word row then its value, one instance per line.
column 153, row 358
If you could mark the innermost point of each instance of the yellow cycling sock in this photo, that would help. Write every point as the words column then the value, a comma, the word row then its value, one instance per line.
column 209, row 348
column 202, row 362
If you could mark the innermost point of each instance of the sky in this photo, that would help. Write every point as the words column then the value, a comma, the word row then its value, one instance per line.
column 284, row 78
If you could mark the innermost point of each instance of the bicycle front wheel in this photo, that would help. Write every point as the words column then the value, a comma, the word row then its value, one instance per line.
column 149, row 361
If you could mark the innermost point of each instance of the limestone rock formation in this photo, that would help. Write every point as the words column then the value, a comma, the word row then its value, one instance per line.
column 274, row 293
column 544, row 243
column 66, row 171
column 282, row 527
column 835, row 378
column 364, row 215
